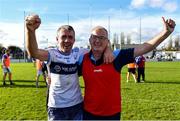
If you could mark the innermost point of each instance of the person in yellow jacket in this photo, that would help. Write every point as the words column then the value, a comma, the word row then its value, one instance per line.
column 131, row 70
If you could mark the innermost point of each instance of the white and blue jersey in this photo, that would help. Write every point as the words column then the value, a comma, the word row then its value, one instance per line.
column 64, row 89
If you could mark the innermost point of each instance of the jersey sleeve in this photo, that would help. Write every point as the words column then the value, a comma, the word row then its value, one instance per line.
column 4, row 57
column 123, row 57
column 83, row 51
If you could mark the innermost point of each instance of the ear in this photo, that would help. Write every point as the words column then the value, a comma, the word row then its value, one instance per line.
column 57, row 39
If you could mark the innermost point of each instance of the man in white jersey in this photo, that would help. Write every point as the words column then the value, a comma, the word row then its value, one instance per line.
column 65, row 99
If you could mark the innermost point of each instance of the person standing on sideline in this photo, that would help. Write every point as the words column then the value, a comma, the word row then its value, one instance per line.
column 65, row 99
column 140, row 61
column 41, row 70
column 131, row 70
column 6, row 67
column 102, row 97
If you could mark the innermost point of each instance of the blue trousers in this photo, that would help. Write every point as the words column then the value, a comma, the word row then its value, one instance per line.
column 69, row 113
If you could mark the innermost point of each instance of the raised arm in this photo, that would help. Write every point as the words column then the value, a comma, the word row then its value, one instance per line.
column 169, row 26
column 32, row 23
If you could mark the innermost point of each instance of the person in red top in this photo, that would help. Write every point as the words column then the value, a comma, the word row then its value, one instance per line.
column 6, row 67
column 102, row 99
column 131, row 70
column 140, row 61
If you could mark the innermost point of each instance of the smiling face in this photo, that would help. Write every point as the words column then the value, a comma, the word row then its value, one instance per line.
column 65, row 38
column 99, row 39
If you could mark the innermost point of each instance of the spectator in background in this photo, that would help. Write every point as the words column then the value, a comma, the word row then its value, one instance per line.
column 131, row 70
column 6, row 67
column 41, row 70
column 140, row 61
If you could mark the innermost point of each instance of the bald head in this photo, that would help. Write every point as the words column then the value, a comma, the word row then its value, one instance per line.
column 100, row 31
column 98, row 41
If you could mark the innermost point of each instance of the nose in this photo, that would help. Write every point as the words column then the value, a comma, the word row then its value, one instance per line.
column 97, row 40
column 66, row 40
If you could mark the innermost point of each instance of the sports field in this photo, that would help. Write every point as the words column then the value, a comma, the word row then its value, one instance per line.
column 156, row 99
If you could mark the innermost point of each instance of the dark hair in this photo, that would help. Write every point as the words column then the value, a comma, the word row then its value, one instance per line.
column 66, row 27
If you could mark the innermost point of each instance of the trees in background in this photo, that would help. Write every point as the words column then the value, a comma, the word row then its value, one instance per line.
column 16, row 52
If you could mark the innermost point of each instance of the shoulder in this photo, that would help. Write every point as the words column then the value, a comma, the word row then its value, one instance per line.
column 124, row 56
column 76, row 49
column 5, row 56
column 124, row 52
column 81, row 51
column 81, row 58
column 52, row 50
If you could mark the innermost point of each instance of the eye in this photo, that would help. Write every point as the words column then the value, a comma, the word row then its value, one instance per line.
column 101, row 37
column 70, row 37
column 63, row 37
column 94, row 37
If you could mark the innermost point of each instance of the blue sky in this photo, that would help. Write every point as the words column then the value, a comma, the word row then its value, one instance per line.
column 124, row 16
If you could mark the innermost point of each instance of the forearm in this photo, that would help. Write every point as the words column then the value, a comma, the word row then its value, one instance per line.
column 108, row 54
column 108, row 48
column 31, row 43
column 156, row 40
column 151, row 44
column 32, row 47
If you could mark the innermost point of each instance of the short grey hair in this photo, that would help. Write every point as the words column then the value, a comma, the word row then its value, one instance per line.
column 66, row 27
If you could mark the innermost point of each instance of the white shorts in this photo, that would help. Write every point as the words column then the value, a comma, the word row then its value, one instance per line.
column 6, row 70
column 39, row 72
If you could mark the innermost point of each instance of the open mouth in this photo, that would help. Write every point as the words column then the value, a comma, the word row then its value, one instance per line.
column 67, row 46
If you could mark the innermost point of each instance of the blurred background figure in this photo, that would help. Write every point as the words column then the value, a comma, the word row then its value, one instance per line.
column 131, row 70
column 140, row 61
column 6, row 67
column 41, row 70
column 34, row 62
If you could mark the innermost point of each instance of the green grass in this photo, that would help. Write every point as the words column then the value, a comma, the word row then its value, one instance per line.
column 23, row 101
column 157, row 99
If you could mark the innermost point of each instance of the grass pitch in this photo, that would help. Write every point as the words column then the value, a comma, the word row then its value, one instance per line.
column 156, row 99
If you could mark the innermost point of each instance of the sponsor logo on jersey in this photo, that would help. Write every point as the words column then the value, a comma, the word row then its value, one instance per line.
column 57, row 68
column 98, row 70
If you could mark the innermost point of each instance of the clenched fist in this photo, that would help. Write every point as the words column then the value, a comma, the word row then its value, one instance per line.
column 32, row 22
